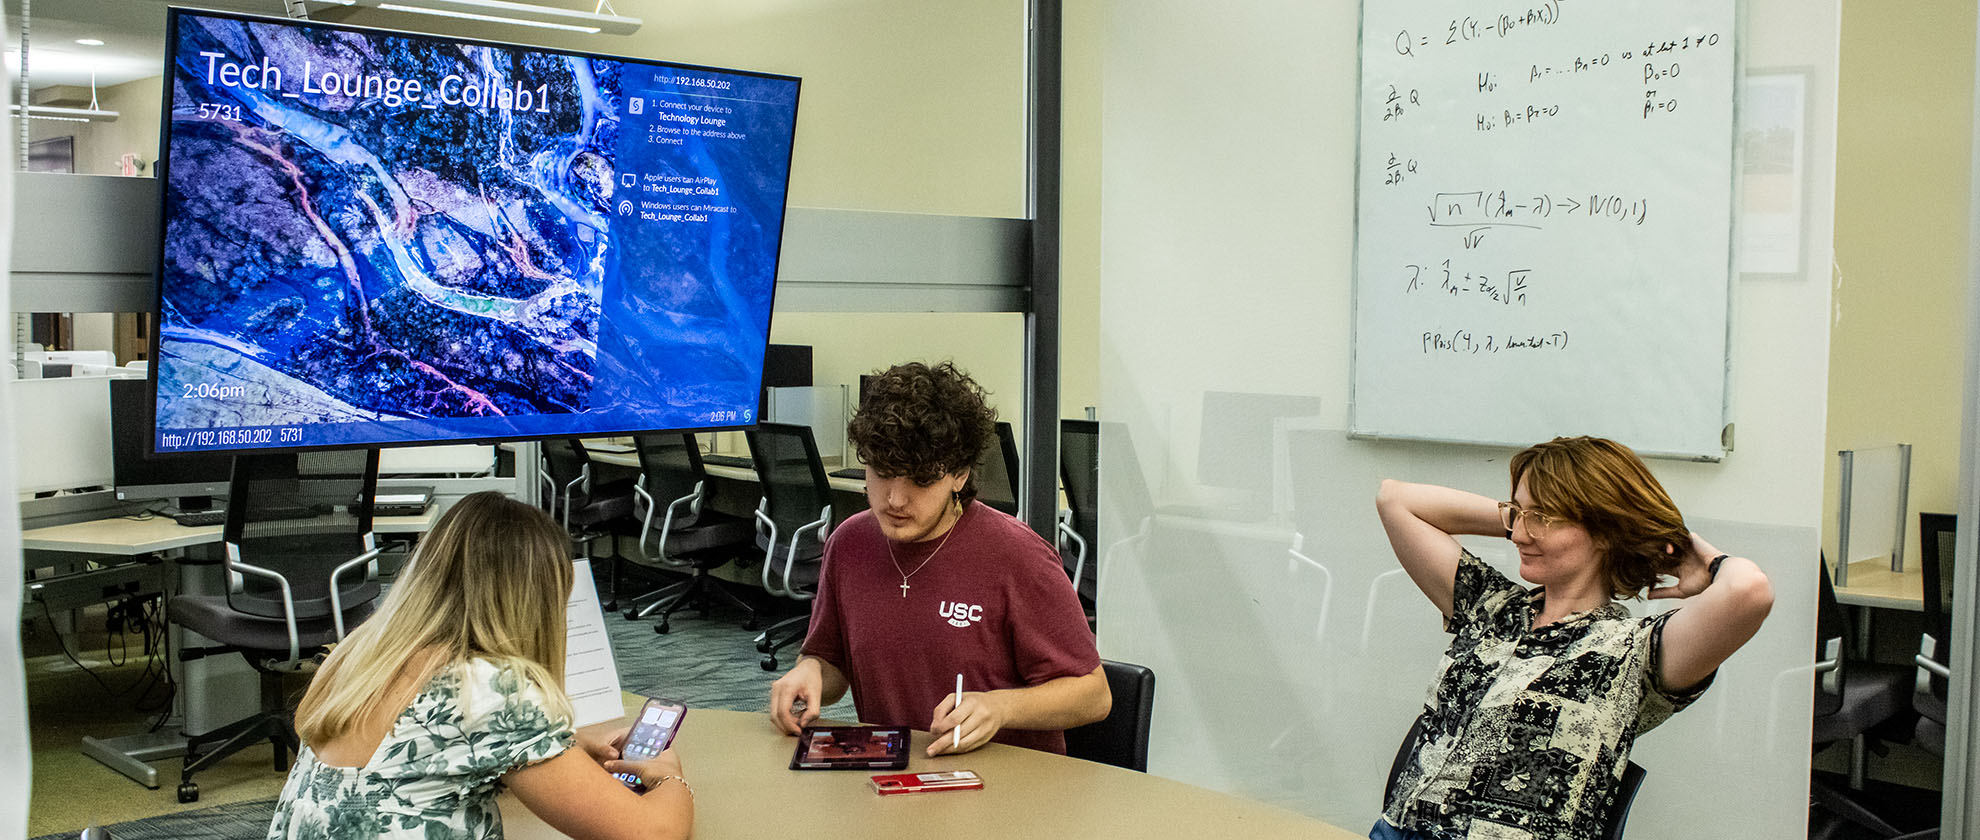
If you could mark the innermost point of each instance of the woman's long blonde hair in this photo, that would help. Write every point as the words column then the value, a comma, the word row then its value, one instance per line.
column 490, row 581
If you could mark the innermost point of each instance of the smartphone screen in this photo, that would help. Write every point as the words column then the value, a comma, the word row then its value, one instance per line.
column 658, row 720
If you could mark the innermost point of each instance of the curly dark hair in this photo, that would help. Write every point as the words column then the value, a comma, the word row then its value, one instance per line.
column 924, row 422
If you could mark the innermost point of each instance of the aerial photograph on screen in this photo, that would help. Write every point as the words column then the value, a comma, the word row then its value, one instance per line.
column 372, row 237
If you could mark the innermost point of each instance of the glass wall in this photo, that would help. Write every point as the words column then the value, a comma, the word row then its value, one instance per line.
column 1242, row 559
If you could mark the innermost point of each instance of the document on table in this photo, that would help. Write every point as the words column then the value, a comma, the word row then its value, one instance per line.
column 591, row 676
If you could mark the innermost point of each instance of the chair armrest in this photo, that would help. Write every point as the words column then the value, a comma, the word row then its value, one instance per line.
column 337, row 597
column 1930, row 664
column 822, row 524
column 1828, row 666
column 764, row 521
column 236, row 566
column 1066, row 530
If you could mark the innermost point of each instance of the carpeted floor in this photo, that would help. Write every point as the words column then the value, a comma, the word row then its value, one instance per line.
column 710, row 663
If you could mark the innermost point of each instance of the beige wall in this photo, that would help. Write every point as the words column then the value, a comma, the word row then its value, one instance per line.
column 905, row 106
column 99, row 145
column 1897, row 335
column 1079, row 252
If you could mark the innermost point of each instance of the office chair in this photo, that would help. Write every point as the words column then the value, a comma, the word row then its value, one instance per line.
column 792, row 521
column 997, row 473
column 1935, row 553
column 675, row 530
column 302, row 570
column 589, row 507
column 1851, row 698
column 1612, row 822
column 1079, row 523
column 1121, row 738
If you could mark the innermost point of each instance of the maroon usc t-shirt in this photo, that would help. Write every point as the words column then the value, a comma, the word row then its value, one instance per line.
column 993, row 604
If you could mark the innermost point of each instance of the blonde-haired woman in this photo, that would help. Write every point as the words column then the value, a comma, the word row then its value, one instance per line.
column 455, row 687
column 1544, row 689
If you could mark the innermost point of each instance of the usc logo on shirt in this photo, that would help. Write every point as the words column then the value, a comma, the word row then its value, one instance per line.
column 960, row 614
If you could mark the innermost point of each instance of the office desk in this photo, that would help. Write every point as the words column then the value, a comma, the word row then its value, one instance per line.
column 125, row 537
column 737, row 762
column 1873, row 584
column 631, row 459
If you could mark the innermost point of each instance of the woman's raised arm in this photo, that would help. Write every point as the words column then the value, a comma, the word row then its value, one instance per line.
column 1720, row 612
column 1421, row 519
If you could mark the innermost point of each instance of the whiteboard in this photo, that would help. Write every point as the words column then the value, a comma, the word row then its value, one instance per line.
column 1544, row 222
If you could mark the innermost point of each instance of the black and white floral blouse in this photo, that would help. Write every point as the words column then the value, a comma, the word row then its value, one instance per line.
column 434, row 776
column 1528, row 729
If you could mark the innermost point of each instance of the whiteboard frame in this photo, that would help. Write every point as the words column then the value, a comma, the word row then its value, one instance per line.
column 1727, row 427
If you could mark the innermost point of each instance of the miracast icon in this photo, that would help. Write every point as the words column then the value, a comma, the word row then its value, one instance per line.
column 625, row 208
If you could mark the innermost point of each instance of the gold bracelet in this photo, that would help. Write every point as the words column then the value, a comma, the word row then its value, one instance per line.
column 671, row 778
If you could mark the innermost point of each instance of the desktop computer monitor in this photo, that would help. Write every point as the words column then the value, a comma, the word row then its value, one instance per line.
column 192, row 481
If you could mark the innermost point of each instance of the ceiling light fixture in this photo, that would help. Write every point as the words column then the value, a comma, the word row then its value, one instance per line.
column 50, row 112
column 511, row 12
column 90, row 42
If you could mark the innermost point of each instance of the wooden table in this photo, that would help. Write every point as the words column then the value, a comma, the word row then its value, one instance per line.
column 737, row 762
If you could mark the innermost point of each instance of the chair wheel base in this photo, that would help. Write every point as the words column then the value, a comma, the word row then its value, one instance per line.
column 609, row 606
column 630, row 614
column 661, row 628
column 769, row 663
column 763, row 645
column 750, row 624
column 188, row 792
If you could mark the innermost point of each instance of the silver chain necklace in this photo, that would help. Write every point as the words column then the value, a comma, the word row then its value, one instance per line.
column 931, row 555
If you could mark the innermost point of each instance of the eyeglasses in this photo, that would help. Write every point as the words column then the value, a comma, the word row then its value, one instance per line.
column 1537, row 523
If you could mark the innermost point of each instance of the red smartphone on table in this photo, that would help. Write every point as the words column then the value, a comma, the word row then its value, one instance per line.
column 886, row 785
column 651, row 734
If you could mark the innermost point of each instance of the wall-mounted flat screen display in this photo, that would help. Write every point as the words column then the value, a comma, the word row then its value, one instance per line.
column 375, row 237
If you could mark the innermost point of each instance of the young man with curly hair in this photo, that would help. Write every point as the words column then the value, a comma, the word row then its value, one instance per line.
column 928, row 583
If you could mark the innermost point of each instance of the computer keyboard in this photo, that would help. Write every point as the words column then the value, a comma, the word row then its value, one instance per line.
column 741, row 461
column 198, row 518
column 855, row 473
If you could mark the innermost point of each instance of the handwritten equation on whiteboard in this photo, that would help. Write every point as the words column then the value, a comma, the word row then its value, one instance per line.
column 1543, row 194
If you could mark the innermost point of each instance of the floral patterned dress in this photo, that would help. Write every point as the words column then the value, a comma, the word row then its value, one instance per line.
column 435, row 775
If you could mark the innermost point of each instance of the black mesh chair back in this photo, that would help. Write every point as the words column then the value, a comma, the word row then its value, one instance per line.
column 997, row 472
column 563, row 470
column 1079, row 471
column 796, row 510
column 1121, row 738
column 669, row 466
column 301, row 572
column 1612, row 822
column 292, row 520
column 1935, row 552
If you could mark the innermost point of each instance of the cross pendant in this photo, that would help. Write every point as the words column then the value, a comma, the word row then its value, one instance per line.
column 904, row 587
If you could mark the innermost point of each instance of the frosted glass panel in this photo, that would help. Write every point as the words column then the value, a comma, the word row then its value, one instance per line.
column 1240, row 556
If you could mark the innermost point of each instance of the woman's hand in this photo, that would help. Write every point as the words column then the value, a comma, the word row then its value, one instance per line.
column 651, row 770
column 1693, row 572
column 605, row 749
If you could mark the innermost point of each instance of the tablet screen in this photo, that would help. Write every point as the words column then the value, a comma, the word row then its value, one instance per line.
column 850, row 748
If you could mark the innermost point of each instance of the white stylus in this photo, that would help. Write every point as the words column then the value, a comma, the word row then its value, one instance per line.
column 958, row 740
